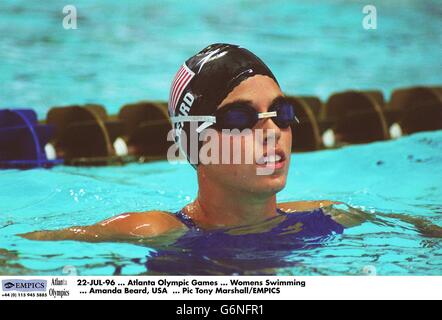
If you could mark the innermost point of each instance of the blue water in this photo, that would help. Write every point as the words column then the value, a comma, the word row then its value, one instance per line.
column 125, row 51
column 402, row 176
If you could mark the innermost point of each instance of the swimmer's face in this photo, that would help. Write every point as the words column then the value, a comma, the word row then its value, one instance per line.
column 260, row 91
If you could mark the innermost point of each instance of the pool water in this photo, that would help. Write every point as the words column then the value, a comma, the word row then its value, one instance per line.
column 125, row 51
column 397, row 176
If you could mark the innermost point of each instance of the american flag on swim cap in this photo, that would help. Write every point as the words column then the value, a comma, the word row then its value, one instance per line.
column 182, row 79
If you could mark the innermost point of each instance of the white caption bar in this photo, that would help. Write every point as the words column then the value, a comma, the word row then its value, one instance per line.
column 220, row 287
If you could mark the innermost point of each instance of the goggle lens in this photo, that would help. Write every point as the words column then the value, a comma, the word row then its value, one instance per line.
column 242, row 116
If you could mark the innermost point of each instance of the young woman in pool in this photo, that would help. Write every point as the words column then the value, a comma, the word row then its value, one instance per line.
column 232, row 84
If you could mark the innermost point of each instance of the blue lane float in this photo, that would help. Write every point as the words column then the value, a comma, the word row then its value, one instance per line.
column 23, row 140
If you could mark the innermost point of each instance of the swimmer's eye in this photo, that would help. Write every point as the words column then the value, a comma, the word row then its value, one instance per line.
column 236, row 116
column 285, row 114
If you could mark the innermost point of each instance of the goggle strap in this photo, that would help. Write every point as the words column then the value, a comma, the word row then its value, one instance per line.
column 210, row 119
column 207, row 121
column 203, row 126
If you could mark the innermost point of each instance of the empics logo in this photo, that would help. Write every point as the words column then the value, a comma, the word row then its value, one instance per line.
column 24, row 285
column 8, row 285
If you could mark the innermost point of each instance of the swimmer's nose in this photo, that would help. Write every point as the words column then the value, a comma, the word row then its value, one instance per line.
column 270, row 131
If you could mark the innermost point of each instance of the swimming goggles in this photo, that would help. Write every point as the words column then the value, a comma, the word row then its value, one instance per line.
column 243, row 116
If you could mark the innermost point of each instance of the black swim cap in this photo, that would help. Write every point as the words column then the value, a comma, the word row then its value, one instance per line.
column 203, row 82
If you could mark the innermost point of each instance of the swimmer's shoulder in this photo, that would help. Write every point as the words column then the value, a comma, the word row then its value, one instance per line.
column 126, row 226
column 143, row 224
column 299, row 206
column 347, row 218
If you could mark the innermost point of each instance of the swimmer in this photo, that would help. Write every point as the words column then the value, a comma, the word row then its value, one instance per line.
column 231, row 84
